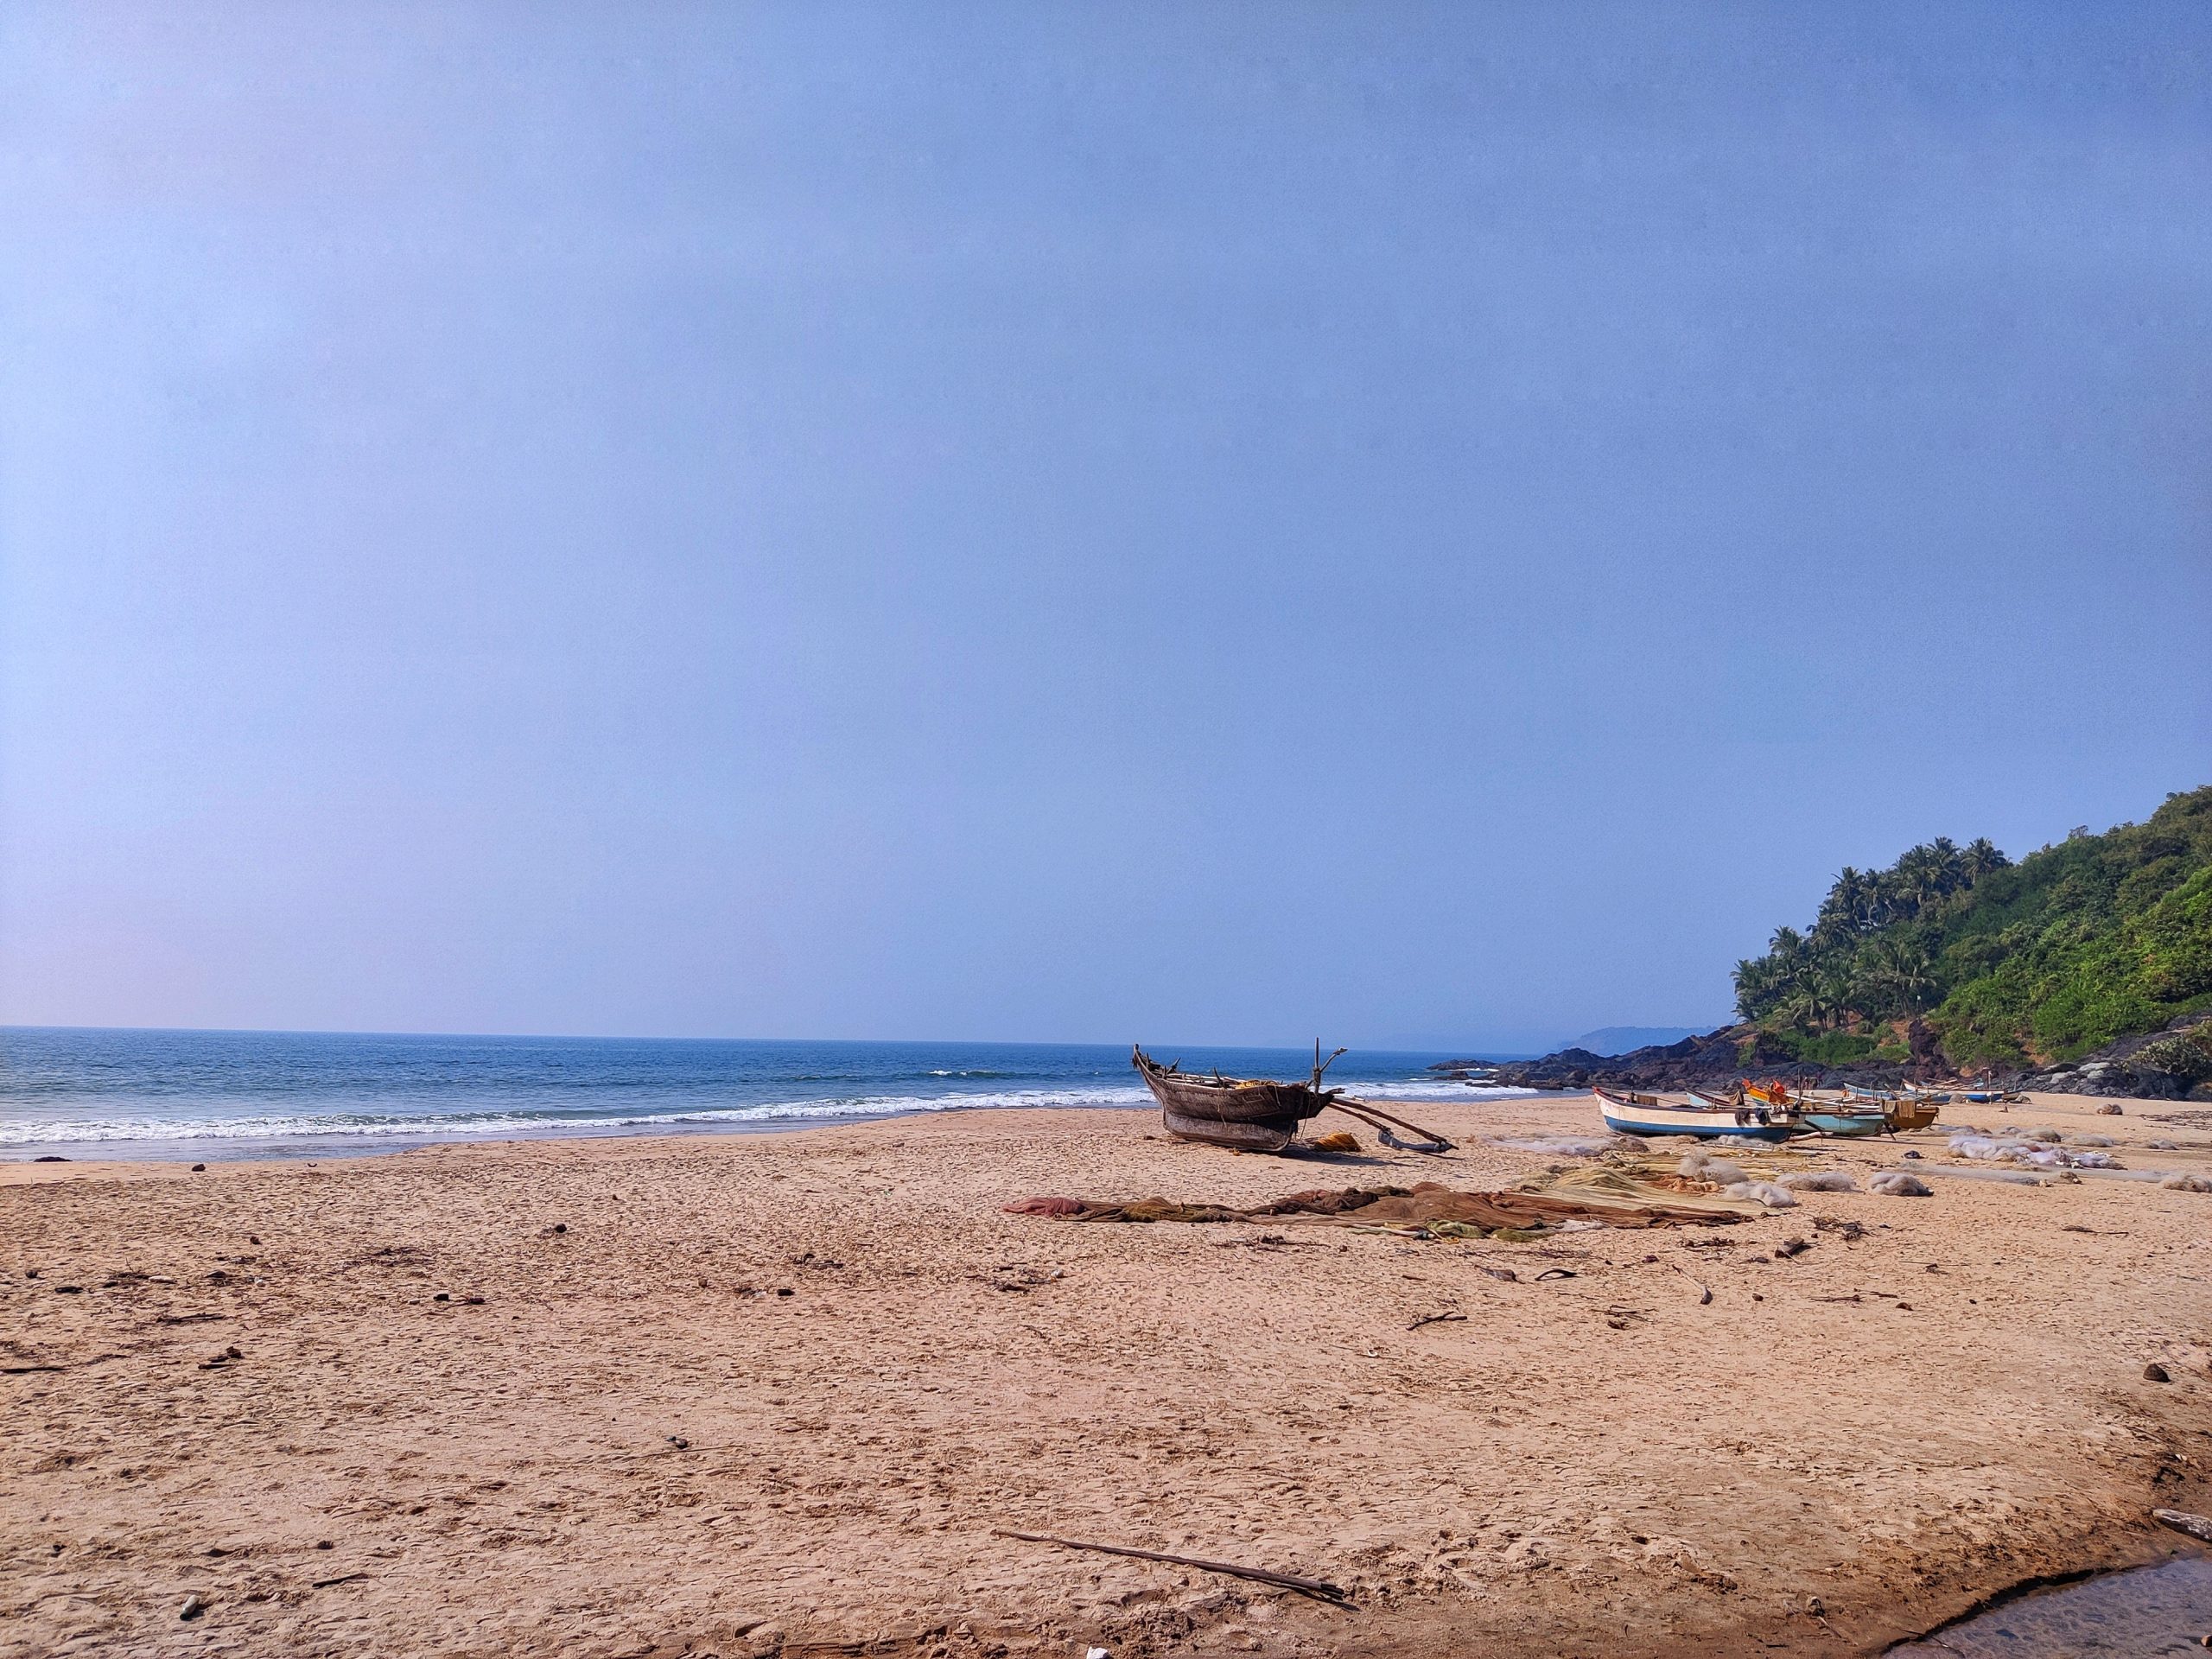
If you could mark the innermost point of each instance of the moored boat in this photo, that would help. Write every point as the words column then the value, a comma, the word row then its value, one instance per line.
column 1251, row 1114
column 1904, row 1107
column 1844, row 1117
column 1257, row 1114
column 1629, row 1113
column 1818, row 1116
column 1915, row 1112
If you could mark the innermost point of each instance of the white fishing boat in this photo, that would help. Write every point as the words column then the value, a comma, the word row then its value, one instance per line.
column 1627, row 1113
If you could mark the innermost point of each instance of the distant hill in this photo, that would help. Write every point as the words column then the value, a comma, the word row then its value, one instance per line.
column 1620, row 1039
column 1956, row 955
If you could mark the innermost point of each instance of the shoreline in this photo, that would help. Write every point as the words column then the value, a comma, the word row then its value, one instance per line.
column 210, row 1149
column 1598, row 1461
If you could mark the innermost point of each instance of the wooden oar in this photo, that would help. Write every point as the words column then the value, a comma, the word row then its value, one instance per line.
column 1368, row 1115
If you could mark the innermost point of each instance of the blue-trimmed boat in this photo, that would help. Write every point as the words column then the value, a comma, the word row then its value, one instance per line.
column 1904, row 1092
column 1626, row 1113
column 1845, row 1117
column 1818, row 1116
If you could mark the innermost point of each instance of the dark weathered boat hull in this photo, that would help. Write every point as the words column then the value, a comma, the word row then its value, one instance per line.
column 1253, row 1114
column 1240, row 1137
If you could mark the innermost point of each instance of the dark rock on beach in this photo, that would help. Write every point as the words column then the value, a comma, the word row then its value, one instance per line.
column 2175, row 1064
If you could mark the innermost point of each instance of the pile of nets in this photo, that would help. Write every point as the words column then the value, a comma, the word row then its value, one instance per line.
column 1702, row 1168
column 1770, row 1179
column 1605, row 1197
column 2037, row 1150
column 1569, row 1146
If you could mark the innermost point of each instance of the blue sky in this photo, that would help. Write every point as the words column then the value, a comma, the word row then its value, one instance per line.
column 1424, row 526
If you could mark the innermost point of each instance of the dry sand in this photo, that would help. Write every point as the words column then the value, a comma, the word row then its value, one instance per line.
column 636, row 1443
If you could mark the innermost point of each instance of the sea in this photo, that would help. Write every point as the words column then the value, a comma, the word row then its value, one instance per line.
column 80, row 1094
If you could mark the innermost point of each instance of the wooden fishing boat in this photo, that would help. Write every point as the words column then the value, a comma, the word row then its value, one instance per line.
column 1915, row 1112
column 1844, row 1117
column 1817, row 1115
column 1904, row 1107
column 1905, row 1091
column 1251, row 1114
column 1259, row 1115
column 1822, row 1114
column 1626, row 1113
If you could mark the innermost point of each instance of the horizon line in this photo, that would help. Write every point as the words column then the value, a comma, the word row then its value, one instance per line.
column 1465, row 1051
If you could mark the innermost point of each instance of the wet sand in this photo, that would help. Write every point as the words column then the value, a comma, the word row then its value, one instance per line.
column 760, row 1392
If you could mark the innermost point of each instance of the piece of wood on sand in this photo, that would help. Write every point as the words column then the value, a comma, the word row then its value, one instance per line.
column 2196, row 1526
column 1318, row 1588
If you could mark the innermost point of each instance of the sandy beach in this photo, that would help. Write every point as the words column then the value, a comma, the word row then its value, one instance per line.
column 745, row 1394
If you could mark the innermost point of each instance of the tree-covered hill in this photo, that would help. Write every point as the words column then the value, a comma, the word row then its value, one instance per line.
column 2009, row 965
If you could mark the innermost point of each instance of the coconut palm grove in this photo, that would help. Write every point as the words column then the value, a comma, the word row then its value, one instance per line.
column 2005, row 963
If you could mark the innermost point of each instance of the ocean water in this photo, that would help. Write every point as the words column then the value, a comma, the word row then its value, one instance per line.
column 214, row 1094
column 2140, row 1613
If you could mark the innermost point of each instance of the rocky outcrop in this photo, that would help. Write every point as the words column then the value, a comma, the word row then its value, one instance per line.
column 2175, row 1064
column 1717, row 1058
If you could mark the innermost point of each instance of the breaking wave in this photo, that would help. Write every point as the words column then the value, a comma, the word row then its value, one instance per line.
column 275, row 1126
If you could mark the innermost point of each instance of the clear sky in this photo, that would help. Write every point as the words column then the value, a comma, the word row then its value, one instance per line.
column 1411, row 525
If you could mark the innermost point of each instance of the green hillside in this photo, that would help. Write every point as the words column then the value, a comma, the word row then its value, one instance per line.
column 2010, row 965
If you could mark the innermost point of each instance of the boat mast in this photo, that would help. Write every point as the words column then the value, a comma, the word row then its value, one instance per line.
column 1321, row 1066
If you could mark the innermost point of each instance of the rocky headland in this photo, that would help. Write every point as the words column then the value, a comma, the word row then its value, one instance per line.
column 2173, row 1063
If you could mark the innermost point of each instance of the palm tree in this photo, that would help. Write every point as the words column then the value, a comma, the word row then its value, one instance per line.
column 1894, row 975
column 1846, row 909
column 1981, row 858
column 1927, row 872
column 1755, row 986
column 1949, row 864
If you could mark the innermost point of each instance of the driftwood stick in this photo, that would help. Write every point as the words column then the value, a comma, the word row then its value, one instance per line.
column 1704, row 1291
column 1436, row 1319
column 1316, row 1587
column 2196, row 1526
column 26, row 1370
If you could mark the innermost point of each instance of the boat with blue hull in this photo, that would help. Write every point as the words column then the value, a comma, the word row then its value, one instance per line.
column 1627, row 1113
column 1841, row 1119
column 1837, row 1117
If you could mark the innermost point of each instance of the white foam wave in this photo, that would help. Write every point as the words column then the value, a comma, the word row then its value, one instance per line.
column 1441, row 1093
column 293, row 1126
column 373, row 1125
